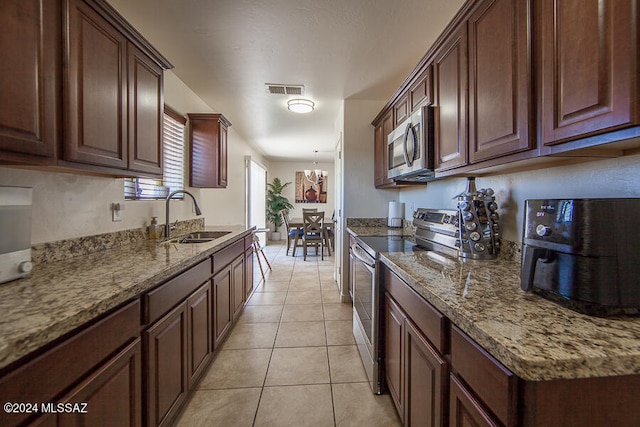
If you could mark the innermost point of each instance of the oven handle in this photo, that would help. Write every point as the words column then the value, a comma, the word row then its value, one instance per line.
column 363, row 256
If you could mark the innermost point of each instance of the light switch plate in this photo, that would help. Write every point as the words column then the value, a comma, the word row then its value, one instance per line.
column 116, row 215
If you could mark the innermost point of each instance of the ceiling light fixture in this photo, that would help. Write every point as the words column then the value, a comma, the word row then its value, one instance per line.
column 315, row 175
column 300, row 105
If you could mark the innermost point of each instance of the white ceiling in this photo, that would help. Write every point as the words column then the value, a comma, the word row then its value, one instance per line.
column 226, row 50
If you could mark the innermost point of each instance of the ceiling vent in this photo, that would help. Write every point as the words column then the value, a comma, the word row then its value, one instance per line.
column 278, row 89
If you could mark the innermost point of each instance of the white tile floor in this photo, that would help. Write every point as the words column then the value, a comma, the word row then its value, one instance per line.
column 291, row 359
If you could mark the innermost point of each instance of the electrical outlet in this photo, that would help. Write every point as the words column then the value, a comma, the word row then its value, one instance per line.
column 116, row 212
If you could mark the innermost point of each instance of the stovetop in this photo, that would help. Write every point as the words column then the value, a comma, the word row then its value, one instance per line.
column 376, row 244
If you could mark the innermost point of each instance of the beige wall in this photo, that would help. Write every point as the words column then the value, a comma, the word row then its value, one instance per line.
column 70, row 205
column 601, row 178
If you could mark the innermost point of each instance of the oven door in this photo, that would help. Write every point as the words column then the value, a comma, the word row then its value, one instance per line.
column 366, row 314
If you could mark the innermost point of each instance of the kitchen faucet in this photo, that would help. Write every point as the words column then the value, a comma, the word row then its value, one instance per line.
column 167, row 226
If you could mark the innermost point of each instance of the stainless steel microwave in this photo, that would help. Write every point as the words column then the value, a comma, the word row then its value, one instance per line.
column 410, row 148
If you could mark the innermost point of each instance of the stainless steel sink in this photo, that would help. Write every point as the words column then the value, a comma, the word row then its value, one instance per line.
column 199, row 237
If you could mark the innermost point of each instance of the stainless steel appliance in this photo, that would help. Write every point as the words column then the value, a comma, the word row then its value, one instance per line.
column 366, row 295
column 582, row 253
column 15, row 232
column 410, row 148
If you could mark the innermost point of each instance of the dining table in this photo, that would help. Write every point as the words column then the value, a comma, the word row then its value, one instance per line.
column 298, row 225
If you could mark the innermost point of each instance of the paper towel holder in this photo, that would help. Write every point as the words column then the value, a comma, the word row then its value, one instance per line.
column 396, row 214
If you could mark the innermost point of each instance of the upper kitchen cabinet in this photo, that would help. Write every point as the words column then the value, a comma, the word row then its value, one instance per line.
column 421, row 92
column 208, row 136
column 499, row 79
column 381, row 131
column 450, row 81
column 30, row 68
column 587, row 71
column 113, row 93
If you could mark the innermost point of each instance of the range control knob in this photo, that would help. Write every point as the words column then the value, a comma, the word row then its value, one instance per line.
column 543, row 230
column 493, row 206
column 465, row 206
column 25, row 267
column 475, row 236
column 467, row 216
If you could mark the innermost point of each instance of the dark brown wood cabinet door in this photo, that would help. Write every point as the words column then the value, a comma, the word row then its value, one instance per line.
column 222, row 313
column 200, row 327
column 381, row 151
column 248, row 273
column 208, row 136
column 30, row 69
column 95, row 89
column 401, row 109
column 222, row 157
column 499, row 79
column 587, row 67
column 450, row 81
column 113, row 394
column 379, row 147
column 167, row 376
column 145, row 113
column 237, row 272
column 421, row 92
column 426, row 381
column 465, row 410
column 394, row 352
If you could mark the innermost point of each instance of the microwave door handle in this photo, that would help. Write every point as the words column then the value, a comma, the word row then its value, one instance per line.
column 405, row 151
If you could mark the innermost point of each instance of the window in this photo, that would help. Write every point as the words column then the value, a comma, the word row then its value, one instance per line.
column 173, row 163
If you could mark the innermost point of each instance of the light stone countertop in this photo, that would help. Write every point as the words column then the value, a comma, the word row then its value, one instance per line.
column 534, row 338
column 59, row 296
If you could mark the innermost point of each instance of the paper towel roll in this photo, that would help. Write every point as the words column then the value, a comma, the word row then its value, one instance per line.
column 396, row 214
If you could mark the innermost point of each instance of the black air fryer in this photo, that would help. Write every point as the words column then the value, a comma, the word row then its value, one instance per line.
column 583, row 253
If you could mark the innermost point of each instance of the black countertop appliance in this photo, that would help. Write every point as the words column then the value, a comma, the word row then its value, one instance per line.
column 583, row 253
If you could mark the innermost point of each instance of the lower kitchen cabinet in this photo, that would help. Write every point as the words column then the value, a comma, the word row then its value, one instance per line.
column 167, row 370
column 223, row 316
column 425, row 381
column 248, row 271
column 237, row 280
column 200, row 326
column 394, row 366
column 100, row 365
column 415, row 372
column 112, row 394
column 465, row 410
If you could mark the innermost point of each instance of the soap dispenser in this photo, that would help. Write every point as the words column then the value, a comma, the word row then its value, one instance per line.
column 153, row 228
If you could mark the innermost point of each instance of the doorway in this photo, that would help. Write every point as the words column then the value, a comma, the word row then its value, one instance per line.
column 256, row 194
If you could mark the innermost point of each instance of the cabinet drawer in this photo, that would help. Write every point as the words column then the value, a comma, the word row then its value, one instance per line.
column 492, row 382
column 166, row 296
column 430, row 321
column 224, row 257
column 44, row 378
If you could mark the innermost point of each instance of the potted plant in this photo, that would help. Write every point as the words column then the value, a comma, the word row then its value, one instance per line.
column 275, row 203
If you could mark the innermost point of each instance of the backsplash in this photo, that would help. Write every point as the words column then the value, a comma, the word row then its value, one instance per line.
column 69, row 248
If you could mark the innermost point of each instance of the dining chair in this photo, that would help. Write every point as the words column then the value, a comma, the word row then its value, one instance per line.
column 309, row 210
column 292, row 233
column 313, row 232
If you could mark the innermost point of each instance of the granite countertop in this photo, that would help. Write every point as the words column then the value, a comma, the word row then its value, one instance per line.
column 534, row 338
column 59, row 296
